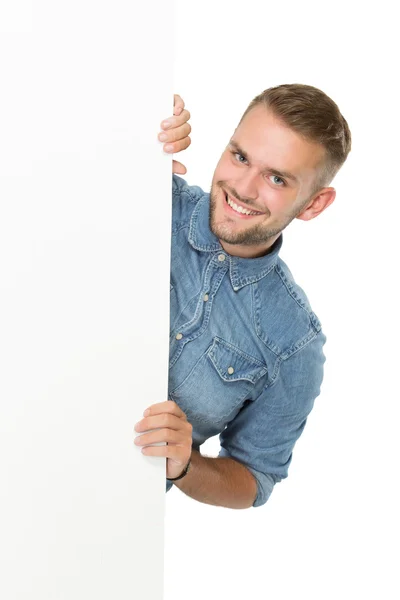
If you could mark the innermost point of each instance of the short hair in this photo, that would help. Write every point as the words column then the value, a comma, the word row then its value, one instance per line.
column 312, row 114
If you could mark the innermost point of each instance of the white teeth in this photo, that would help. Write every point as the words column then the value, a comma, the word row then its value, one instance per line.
column 239, row 209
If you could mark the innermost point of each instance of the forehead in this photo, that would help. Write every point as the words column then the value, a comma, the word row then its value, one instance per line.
column 270, row 143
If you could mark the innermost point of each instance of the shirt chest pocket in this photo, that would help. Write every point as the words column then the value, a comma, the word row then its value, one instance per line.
column 221, row 380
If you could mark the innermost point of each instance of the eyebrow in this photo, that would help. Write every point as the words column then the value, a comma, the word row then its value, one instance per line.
column 284, row 174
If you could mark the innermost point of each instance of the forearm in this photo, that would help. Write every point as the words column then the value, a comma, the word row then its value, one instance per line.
column 219, row 481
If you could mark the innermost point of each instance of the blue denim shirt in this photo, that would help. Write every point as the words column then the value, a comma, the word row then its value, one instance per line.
column 246, row 358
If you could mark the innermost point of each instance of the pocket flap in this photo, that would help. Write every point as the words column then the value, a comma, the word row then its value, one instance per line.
column 233, row 364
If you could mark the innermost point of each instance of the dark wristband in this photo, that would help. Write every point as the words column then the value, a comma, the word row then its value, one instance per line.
column 185, row 470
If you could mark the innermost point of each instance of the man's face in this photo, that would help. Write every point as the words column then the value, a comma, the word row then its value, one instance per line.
column 266, row 169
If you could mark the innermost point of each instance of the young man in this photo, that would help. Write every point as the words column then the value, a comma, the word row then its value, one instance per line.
column 246, row 351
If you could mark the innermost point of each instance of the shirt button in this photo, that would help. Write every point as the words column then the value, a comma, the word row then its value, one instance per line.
column 231, row 370
column 221, row 257
column 205, row 298
column 179, row 336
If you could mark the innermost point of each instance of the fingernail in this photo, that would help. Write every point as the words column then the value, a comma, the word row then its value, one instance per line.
column 169, row 148
column 166, row 124
column 162, row 137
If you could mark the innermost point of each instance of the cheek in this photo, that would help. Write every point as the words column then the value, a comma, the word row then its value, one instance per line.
column 272, row 200
column 278, row 203
column 224, row 170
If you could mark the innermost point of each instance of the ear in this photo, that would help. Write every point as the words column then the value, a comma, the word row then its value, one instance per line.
column 318, row 204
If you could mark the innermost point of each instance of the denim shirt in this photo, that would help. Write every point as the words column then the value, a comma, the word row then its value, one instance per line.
column 246, row 350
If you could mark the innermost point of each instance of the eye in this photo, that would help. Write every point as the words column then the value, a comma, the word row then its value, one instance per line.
column 235, row 154
column 283, row 182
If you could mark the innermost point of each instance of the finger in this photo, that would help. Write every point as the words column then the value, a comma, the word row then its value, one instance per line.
column 178, row 104
column 178, row 168
column 171, row 451
column 176, row 121
column 169, row 406
column 161, row 435
column 173, row 135
column 161, row 420
column 177, row 146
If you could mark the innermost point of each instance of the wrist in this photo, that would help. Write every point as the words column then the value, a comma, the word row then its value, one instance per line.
column 184, row 472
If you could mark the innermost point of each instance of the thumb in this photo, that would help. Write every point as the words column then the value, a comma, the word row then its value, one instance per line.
column 178, row 168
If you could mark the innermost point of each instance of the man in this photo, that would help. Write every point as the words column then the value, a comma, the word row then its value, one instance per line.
column 246, row 352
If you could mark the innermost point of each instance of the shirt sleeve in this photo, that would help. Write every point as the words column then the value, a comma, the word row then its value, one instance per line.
column 264, row 432
column 184, row 199
column 178, row 183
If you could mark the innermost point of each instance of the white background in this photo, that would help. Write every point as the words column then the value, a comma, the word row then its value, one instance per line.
column 331, row 529
column 84, row 273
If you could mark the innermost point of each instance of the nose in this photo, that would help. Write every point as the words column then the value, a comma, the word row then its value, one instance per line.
column 246, row 186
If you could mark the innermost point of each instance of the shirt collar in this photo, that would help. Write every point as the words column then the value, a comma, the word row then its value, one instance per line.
column 242, row 270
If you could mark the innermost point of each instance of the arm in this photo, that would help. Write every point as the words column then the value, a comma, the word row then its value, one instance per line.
column 219, row 481
column 257, row 445
column 263, row 434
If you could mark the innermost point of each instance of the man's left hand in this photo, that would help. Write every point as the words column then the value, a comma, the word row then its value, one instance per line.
column 171, row 426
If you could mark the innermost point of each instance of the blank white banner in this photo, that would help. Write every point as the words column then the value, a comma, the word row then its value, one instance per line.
column 85, row 195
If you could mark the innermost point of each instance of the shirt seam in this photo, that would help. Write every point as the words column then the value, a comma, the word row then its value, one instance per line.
column 310, row 313
column 282, row 358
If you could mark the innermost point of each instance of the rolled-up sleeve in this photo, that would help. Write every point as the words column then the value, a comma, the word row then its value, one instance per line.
column 263, row 434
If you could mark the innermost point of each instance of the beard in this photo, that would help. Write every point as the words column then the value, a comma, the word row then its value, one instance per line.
column 258, row 234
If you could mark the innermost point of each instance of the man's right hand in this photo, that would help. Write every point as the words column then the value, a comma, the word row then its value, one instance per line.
column 176, row 129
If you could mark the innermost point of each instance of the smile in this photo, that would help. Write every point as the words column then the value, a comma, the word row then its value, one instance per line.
column 240, row 210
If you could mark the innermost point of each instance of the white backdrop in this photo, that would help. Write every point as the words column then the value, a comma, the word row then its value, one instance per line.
column 331, row 529
column 83, row 296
